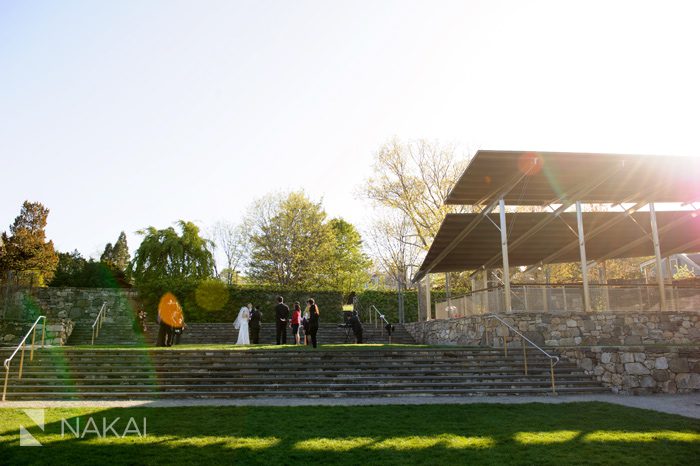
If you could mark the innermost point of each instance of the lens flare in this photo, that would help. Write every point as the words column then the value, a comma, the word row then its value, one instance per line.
column 170, row 311
column 530, row 163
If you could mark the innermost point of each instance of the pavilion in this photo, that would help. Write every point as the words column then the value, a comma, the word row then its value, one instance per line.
column 566, row 189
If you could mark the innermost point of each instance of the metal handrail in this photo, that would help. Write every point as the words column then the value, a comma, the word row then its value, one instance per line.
column 22, row 344
column 372, row 307
column 381, row 316
column 99, row 320
column 553, row 360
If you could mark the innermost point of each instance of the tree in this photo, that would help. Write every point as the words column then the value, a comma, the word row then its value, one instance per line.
column 232, row 240
column 291, row 246
column 117, row 256
column 165, row 254
column 415, row 178
column 411, row 183
column 349, row 266
column 25, row 252
column 391, row 245
column 71, row 266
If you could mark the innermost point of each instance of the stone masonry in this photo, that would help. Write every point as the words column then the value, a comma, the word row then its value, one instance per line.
column 631, row 352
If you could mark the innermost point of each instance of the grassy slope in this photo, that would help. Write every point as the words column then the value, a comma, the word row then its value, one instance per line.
column 576, row 433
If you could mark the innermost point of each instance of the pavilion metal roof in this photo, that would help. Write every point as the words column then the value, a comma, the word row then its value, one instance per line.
column 608, row 235
column 540, row 178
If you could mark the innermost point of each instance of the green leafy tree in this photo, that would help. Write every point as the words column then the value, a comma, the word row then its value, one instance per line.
column 167, row 254
column 348, row 268
column 71, row 266
column 291, row 245
column 25, row 253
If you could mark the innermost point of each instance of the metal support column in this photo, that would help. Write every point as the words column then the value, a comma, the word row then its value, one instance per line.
column 603, row 279
column 504, row 252
column 669, row 281
column 584, row 262
column 485, row 293
column 427, row 297
column 657, row 253
column 447, row 293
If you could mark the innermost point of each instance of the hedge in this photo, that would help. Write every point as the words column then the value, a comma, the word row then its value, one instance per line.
column 387, row 302
column 330, row 303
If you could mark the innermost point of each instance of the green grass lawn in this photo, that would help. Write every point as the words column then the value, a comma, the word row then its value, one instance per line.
column 574, row 433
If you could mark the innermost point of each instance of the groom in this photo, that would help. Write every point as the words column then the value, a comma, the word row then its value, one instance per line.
column 281, row 317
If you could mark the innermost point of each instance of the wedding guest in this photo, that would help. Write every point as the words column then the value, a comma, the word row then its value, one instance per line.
column 305, row 325
column 281, row 316
column 314, row 317
column 255, row 320
column 296, row 319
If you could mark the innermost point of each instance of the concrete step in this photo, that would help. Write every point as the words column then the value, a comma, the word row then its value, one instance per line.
column 384, row 392
column 72, row 373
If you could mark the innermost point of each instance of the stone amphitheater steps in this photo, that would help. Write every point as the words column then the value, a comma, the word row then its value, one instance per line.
column 110, row 334
column 329, row 333
column 215, row 333
column 65, row 373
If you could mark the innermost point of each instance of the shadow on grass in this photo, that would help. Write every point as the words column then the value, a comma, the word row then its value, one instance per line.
column 575, row 433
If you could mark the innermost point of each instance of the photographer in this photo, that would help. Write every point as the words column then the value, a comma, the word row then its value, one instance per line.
column 356, row 325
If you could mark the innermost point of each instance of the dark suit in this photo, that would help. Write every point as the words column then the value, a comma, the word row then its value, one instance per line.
column 254, row 326
column 356, row 325
column 314, row 319
column 281, row 318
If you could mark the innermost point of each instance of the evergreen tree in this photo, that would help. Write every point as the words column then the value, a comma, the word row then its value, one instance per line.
column 120, row 253
column 107, row 255
column 117, row 256
column 25, row 253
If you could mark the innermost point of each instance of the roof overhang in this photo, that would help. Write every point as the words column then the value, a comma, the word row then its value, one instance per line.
column 541, row 178
column 628, row 235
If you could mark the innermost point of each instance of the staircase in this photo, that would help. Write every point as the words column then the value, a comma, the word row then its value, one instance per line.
column 111, row 333
column 140, row 373
column 223, row 332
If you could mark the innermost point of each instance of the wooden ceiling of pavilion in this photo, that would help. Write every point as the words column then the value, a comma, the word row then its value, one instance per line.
column 546, row 178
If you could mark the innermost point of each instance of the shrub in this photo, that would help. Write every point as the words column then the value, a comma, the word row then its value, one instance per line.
column 195, row 296
column 387, row 302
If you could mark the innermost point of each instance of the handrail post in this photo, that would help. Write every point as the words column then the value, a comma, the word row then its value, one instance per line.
column 21, row 361
column 43, row 333
column 31, row 350
column 525, row 355
column 92, row 342
column 551, row 371
column 7, row 375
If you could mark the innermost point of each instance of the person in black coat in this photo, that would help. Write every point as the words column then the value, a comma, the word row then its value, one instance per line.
column 281, row 319
column 356, row 325
column 254, row 325
column 314, row 318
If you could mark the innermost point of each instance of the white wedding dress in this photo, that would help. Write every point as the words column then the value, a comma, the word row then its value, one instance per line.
column 241, row 324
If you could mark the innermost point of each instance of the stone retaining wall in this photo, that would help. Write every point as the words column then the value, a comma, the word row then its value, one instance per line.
column 630, row 352
column 641, row 370
column 567, row 328
column 77, row 304
column 57, row 332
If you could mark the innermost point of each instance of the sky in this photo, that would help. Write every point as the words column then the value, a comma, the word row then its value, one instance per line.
column 120, row 115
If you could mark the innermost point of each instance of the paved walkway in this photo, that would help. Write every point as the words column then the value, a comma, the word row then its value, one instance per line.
column 685, row 405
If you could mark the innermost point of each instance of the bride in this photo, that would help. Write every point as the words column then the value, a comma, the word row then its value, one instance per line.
column 241, row 324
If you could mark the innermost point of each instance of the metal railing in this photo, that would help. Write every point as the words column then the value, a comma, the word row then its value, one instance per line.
column 569, row 297
column 377, row 317
column 23, row 345
column 553, row 360
column 99, row 320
